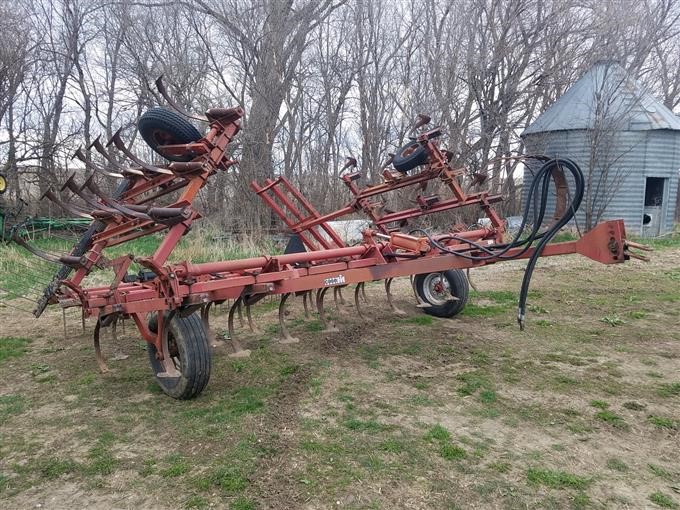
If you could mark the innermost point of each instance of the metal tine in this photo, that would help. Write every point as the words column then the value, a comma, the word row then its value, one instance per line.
column 66, row 260
column 78, row 154
column 117, row 206
column 286, row 337
column 78, row 191
column 329, row 327
column 388, row 285
column 164, row 92
column 239, row 351
column 72, row 209
column 102, row 150
column 120, row 145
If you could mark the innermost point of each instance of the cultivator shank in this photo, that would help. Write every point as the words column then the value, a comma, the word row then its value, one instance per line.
column 170, row 303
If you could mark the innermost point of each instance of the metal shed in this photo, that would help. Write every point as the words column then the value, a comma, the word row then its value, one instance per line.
column 626, row 142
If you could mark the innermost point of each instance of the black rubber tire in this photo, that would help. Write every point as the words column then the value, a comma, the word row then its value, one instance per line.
column 3, row 184
column 191, row 341
column 409, row 156
column 159, row 126
column 458, row 285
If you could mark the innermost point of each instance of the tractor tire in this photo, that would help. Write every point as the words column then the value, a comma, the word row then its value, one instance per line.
column 185, row 371
column 159, row 127
column 410, row 156
column 437, row 290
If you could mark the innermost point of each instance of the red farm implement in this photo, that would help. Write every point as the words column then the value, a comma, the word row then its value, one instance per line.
column 170, row 303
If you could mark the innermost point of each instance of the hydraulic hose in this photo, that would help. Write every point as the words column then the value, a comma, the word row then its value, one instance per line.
column 499, row 251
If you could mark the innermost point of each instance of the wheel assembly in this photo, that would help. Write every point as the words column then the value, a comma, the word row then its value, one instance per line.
column 410, row 156
column 185, row 368
column 160, row 127
column 443, row 294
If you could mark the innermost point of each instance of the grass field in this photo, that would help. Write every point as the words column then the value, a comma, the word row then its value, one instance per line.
column 581, row 410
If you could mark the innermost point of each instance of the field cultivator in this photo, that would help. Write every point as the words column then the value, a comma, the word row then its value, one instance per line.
column 170, row 303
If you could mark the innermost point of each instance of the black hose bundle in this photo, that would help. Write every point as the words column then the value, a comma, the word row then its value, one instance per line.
column 498, row 251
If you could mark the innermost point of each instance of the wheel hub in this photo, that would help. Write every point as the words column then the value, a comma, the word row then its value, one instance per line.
column 437, row 289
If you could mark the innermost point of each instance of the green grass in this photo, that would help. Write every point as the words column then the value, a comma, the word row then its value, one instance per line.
column 557, row 479
column 617, row 465
column 612, row 419
column 11, row 405
column 437, row 433
column 11, row 347
column 451, row 452
column 177, row 466
column 663, row 423
column 662, row 500
column 660, row 472
column 600, row 404
column 669, row 389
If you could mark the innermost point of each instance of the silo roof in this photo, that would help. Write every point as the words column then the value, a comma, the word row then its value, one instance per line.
column 605, row 91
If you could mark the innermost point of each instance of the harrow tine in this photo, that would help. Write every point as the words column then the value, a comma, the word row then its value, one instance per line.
column 164, row 92
column 66, row 260
column 78, row 154
column 102, row 150
column 286, row 337
column 388, row 285
column 116, row 206
column 78, row 191
column 72, row 209
column 363, row 292
column 328, row 326
column 120, row 145
column 239, row 351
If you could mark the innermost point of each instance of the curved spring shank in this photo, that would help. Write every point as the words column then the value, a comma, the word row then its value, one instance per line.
column 205, row 318
column 286, row 337
column 249, row 317
column 338, row 297
column 357, row 298
column 419, row 302
column 388, row 285
column 474, row 287
column 305, row 295
column 328, row 325
column 98, row 349
column 239, row 351
column 339, row 300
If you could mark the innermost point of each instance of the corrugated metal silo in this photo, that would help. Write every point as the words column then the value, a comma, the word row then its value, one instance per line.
column 626, row 142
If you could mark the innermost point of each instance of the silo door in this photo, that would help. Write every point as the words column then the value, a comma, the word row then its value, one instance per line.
column 655, row 207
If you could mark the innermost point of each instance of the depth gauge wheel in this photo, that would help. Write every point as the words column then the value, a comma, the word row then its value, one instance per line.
column 185, row 370
column 439, row 290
